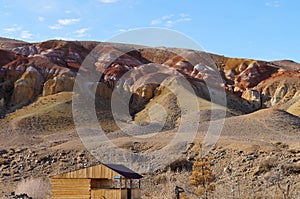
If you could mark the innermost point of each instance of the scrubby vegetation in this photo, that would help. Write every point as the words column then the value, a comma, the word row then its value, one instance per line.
column 36, row 188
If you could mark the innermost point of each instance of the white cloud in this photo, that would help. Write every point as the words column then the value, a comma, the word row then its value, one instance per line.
column 55, row 27
column 81, row 32
column 47, row 7
column 41, row 19
column 65, row 22
column 183, row 15
column 12, row 29
column 68, row 11
column 17, row 31
column 274, row 4
column 171, row 20
column 171, row 23
column 124, row 30
column 161, row 19
column 64, row 38
column 109, row 1
column 121, row 30
column 26, row 34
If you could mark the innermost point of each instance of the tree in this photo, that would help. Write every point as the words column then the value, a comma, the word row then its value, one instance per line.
column 202, row 177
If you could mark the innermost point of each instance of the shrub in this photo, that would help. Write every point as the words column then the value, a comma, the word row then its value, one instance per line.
column 202, row 177
column 37, row 188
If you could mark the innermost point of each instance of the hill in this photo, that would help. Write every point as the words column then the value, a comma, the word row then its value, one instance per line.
column 164, row 105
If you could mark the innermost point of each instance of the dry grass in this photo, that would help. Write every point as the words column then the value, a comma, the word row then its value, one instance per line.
column 36, row 188
column 236, row 176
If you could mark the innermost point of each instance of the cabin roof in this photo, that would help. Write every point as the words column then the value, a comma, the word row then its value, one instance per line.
column 124, row 171
column 117, row 168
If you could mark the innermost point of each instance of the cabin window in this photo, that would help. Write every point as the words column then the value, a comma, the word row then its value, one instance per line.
column 101, row 184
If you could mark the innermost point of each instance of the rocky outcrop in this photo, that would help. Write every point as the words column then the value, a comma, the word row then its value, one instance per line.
column 27, row 88
column 103, row 90
column 147, row 91
column 27, row 50
column 293, row 106
column 142, row 96
column 180, row 64
column 253, row 74
column 253, row 97
column 279, row 94
column 6, row 57
column 58, row 84
column 40, row 69
column 279, row 89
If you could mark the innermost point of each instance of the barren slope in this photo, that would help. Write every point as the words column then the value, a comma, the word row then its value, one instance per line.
column 261, row 113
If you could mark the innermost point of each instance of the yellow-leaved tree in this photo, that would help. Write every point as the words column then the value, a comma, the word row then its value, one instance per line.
column 202, row 177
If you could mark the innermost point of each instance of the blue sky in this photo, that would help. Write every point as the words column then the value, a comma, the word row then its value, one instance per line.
column 260, row 29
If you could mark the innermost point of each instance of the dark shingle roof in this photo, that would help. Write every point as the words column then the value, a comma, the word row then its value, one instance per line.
column 124, row 171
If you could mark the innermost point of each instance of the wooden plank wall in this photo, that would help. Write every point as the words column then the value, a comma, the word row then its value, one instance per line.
column 71, row 188
column 106, row 194
column 135, row 194
column 124, row 194
column 98, row 171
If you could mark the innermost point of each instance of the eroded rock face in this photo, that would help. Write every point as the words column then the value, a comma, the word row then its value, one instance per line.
column 253, row 97
column 181, row 64
column 27, row 88
column 6, row 57
column 31, row 70
column 58, row 84
column 252, row 75
column 103, row 90
column 147, row 91
column 279, row 94
column 279, row 89
column 27, row 50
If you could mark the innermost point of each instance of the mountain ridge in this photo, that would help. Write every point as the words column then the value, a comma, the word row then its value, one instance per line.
column 257, row 101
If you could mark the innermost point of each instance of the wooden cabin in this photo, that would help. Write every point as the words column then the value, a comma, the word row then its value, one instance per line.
column 103, row 181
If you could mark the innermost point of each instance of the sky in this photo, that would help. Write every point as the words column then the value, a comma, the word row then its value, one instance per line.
column 257, row 29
